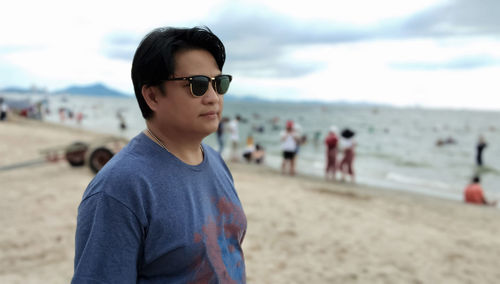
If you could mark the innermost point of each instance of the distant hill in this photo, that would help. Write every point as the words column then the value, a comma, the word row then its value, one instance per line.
column 100, row 89
column 97, row 89
column 257, row 99
column 245, row 98
column 15, row 90
column 19, row 90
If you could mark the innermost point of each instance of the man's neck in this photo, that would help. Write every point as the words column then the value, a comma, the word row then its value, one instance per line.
column 184, row 147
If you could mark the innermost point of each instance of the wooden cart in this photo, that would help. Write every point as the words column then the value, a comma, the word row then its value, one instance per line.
column 95, row 154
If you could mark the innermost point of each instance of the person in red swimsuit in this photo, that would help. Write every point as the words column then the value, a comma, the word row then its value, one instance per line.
column 474, row 194
column 331, row 142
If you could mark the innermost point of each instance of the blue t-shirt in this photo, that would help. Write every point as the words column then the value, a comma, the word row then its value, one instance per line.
column 147, row 217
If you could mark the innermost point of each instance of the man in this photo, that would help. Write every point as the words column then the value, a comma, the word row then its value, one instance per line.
column 473, row 193
column 164, row 209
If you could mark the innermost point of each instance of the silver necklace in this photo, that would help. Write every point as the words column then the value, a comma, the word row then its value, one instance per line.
column 163, row 145
column 157, row 140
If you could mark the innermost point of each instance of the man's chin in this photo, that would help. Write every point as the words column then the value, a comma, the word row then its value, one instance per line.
column 208, row 130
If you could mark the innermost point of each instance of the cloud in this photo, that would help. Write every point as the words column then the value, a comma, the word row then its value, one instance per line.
column 120, row 45
column 467, row 62
column 11, row 75
column 259, row 41
column 16, row 48
column 272, row 69
column 455, row 18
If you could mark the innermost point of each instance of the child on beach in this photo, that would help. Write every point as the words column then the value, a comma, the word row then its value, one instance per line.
column 164, row 209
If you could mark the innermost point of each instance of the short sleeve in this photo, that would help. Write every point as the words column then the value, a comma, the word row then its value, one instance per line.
column 107, row 243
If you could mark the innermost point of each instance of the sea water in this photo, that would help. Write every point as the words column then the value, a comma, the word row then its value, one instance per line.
column 396, row 147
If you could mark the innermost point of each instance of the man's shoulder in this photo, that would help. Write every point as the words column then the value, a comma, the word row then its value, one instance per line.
column 124, row 170
column 213, row 153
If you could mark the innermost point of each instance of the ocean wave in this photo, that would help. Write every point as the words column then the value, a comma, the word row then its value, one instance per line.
column 396, row 177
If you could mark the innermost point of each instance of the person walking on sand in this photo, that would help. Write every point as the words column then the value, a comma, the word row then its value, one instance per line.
column 331, row 142
column 347, row 146
column 474, row 194
column 289, row 143
column 164, row 209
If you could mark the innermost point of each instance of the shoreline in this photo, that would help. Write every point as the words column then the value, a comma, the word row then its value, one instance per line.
column 300, row 229
column 379, row 185
column 389, row 189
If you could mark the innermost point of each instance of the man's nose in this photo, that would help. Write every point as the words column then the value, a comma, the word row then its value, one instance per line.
column 211, row 94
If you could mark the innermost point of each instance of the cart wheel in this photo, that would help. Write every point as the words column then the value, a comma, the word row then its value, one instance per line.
column 98, row 158
column 75, row 154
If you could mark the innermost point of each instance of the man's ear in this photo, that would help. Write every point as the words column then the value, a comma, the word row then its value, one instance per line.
column 151, row 96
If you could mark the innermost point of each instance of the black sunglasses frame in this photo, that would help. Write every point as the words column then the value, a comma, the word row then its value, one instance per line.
column 212, row 80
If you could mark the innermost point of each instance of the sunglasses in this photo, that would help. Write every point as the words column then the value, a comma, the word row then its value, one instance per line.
column 199, row 83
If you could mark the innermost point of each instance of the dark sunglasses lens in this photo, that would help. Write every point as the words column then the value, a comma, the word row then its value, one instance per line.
column 199, row 85
column 222, row 84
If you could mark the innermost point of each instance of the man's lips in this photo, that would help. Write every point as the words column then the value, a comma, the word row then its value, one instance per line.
column 210, row 113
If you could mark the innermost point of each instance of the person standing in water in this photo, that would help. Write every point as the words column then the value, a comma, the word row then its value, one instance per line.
column 235, row 138
column 331, row 143
column 481, row 144
column 347, row 146
column 220, row 133
column 289, row 144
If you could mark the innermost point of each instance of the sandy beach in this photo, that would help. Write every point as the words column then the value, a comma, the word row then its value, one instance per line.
column 300, row 229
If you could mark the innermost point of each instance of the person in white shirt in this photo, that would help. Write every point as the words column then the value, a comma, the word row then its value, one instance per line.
column 235, row 138
column 289, row 143
column 347, row 146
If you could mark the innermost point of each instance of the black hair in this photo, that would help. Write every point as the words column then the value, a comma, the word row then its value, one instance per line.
column 475, row 179
column 154, row 58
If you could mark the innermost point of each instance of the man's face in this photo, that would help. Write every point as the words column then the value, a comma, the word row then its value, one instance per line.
column 179, row 112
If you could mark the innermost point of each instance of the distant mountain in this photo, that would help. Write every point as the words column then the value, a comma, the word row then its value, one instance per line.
column 97, row 89
column 246, row 98
column 15, row 90
column 19, row 90
column 257, row 99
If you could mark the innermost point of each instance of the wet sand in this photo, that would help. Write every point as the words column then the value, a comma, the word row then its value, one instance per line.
column 300, row 229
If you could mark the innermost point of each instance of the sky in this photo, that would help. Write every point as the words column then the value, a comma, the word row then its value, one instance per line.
column 427, row 53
